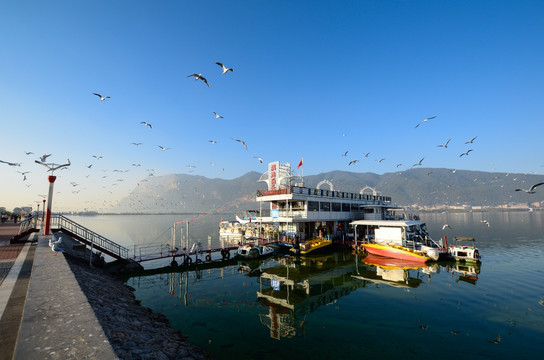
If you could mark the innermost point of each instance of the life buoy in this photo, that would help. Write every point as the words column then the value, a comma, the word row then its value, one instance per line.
column 188, row 260
column 199, row 261
column 209, row 257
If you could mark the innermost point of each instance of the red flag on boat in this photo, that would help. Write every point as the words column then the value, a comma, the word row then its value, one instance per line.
column 299, row 164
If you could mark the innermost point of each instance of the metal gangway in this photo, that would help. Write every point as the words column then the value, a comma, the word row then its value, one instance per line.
column 88, row 237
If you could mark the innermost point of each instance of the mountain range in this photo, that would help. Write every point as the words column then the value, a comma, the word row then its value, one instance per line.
column 182, row 193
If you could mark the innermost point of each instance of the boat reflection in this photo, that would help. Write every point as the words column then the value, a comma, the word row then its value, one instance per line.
column 467, row 272
column 299, row 286
column 394, row 272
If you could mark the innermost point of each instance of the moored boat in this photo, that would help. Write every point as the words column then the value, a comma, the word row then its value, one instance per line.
column 400, row 239
column 253, row 251
column 311, row 246
column 464, row 250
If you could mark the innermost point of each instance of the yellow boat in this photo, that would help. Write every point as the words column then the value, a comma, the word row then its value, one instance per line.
column 310, row 246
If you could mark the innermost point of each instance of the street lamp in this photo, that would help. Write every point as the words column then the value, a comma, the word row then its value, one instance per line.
column 51, row 178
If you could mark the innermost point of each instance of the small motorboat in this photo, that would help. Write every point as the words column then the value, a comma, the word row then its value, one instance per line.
column 310, row 246
column 464, row 250
column 252, row 251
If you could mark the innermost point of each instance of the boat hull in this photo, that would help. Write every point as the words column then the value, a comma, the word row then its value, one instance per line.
column 396, row 252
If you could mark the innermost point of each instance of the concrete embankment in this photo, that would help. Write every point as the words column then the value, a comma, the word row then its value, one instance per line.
column 75, row 311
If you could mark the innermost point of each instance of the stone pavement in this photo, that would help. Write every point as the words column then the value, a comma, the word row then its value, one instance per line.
column 43, row 312
column 58, row 324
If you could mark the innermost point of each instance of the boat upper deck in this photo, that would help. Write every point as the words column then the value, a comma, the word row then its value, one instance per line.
column 305, row 193
column 303, row 204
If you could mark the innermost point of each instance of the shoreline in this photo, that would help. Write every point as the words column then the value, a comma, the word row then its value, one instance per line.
column 133, row 331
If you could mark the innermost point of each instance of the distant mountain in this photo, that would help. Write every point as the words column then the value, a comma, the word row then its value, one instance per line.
column 180, row 193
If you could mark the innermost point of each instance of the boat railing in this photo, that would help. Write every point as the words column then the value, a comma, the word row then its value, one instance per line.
column 324, row 193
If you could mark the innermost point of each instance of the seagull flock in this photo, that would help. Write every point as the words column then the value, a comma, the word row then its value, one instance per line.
column 419, row 163
column 51, row 167
column 91, row 166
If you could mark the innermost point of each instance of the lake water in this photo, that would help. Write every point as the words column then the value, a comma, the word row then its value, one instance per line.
column 337, row 306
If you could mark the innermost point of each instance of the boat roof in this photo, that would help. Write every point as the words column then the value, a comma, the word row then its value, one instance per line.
column 392, row 223
column 464, row 238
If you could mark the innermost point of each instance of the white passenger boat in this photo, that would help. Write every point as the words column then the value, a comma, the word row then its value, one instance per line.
column 314, row 213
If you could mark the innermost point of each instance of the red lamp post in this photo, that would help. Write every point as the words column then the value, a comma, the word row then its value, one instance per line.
column 51, row 180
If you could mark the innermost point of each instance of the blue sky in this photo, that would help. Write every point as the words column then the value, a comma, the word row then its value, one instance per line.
column 311, row 79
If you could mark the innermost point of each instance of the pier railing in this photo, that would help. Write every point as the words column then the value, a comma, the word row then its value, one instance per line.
column 89, row 237
column 28, row 223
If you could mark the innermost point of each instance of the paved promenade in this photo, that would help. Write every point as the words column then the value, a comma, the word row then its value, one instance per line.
column 37, row 322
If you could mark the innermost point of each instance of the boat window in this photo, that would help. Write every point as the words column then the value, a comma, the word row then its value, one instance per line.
column 297, row 205
column 313, row 205
column 345, row 207
column 354, row 207
column 336, row 206
column 325, row 206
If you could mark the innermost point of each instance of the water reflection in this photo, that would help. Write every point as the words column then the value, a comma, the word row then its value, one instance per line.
column 395, row 272
column 299, row 286
column 466, row 272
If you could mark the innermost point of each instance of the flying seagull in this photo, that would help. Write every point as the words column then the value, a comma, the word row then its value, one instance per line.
column 366, row 154
column 102, row 98
column 53, row 167
column 225, row 69
column 353, row 162
column 260, row 159
column 471, row 140
column 10, row 163
column 146, row 124
column 446, row 226
column 445, row 146
column 466, row 153
column 28, row 152
column 163, row 148
column 485, row 222
column 137, row 144
column 346, row 153
column 382, row 159
column 97, row 157
column 425, row 120
column 419, row 163
column 531, row 189
column 44, row 157
column 217, row 116
column 199, row 77
column 212, row 141
column 241, row 142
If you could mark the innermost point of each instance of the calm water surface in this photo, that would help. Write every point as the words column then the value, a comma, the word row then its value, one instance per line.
column 337, row 305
